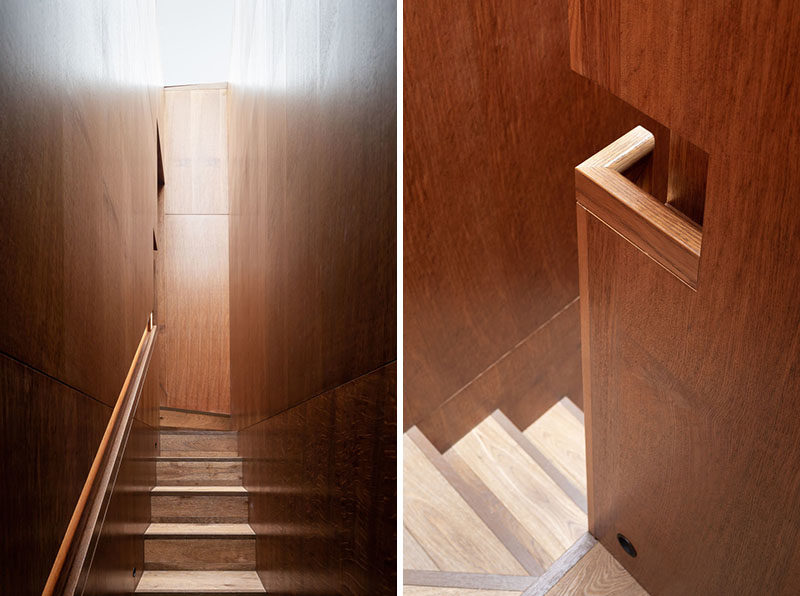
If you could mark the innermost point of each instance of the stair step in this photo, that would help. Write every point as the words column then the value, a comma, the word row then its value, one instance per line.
column 199, row 471
column 193, row 547
column 198, row 442
column 172, row 418
column 198, row 530
column 200, row 583
column 205, row 506
column 199, row 490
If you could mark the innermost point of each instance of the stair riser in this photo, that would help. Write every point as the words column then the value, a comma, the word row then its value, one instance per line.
column 200, row 442
column 199, row 509
column 194, row 554
column 202, row 473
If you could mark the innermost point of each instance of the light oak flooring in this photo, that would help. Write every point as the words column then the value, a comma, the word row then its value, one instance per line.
column 503, row 512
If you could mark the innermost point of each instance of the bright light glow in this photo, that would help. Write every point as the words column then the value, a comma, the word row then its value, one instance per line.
column 195, row 40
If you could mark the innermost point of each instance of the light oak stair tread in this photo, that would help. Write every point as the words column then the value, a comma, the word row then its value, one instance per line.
column 192, row 458
column 198, row 431
column 200, row 582
column 199, row 490
column 198, row 530
column 209, row 454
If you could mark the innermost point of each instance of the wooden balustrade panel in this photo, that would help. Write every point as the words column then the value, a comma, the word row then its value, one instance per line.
column 322, row 479
column 691, row 396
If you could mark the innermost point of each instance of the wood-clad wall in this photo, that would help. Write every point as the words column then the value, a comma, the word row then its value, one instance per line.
column 312, row 147
column 78, row 204
column 194, row 317
column 693, row 401
column 494, row 122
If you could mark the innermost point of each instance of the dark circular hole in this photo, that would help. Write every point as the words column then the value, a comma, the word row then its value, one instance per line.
column 134, row 572
column 626, row 545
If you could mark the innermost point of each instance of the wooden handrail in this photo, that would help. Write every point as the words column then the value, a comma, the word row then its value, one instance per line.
column 663, row 234
column 68, row 567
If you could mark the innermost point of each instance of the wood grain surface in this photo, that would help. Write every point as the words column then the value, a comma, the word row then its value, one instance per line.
column 195, row 129
column 489, row 245
column 447, row 528
column 322, row 478
column 78, row 187
column 197, row 350
column 540, row 505
column 597, row 574
column 690, row 394
column 313, row 199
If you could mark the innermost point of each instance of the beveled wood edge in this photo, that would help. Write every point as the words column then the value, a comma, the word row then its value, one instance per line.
column 68, row 566
column 657, row 230
column 560, row 567
column 466, row 580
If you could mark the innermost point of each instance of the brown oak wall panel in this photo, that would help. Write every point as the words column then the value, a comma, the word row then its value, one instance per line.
column 705, row 384
column 312, row 146
column 196, row 346
column 195, row 133
column 494, row 123
column 78, row 186
column 322, row 481
column 49, row 434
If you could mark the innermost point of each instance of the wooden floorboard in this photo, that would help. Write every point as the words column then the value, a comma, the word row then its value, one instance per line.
column 414, row 556
column 597, row 574
column 444, row 525
column 437, row 591
column 479, row 581
column 562, row 565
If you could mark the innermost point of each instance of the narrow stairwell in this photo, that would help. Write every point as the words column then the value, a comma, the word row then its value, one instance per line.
column 199, row 541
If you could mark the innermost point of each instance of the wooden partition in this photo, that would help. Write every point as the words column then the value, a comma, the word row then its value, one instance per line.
column 78, row 204
column 312, row 175
column 195, row 313
column 692, row 376
column 494, row 123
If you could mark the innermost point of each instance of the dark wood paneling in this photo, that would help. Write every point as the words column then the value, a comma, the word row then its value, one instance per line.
column 197, row 344
column 312, row 146
column 322, row 481
column 120, row 548
column 78, row 186
column 494, row 122
column 49, row 434
column 691, row 397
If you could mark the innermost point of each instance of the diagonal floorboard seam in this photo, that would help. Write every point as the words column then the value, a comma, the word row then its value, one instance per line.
column 563, row 564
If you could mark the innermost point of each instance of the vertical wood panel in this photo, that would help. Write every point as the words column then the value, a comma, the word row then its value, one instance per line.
column 312, row 181
column 494, row 123
column 196, row 284
column 705, row 384
column 78, row 187
column 48, row 437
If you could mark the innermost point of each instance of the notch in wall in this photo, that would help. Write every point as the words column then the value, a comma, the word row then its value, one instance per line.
column 159, row 162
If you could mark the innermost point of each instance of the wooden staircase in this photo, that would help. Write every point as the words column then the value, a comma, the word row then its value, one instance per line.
column 199, row 541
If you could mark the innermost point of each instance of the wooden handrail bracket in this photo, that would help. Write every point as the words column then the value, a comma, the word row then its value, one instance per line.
column 663, row 234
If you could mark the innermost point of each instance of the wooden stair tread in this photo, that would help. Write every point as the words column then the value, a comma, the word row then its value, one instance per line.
column 198, row 490
column 202, row 458
column 200, row 582
column 174, row 453
column 197, row 530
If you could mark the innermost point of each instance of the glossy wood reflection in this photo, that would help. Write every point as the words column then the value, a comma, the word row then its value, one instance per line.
column 322, row 482
column 490, row 255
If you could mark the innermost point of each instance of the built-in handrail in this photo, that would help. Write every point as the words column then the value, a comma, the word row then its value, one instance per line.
column 69, row 569
column 663, row 234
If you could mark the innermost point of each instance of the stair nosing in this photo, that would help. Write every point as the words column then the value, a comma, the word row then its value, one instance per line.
column 189, row 458
column 151, row 533
column 169, row 489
